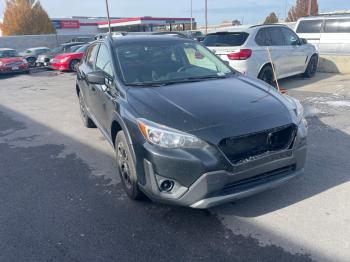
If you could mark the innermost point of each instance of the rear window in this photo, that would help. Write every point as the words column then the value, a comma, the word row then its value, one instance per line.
column 8, row 53
column 226, row 39
column 337, row 26
column 309, row 26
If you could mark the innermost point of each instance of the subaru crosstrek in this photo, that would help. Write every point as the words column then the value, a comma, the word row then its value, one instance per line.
column 186, row 128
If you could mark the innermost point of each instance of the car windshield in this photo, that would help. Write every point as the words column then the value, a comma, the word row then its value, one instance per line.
column 57, row 49
column 162, row 63
column 226, row 39
column 8, row 53
column 73, row 48
column 82, row 48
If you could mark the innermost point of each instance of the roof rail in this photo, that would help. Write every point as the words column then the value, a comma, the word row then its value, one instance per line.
column 253, row 26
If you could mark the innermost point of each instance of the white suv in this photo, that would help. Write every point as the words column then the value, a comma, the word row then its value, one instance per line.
column 245, row 49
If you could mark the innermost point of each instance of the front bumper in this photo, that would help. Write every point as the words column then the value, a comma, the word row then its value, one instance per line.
column 222, row 186
column 19, row 69
column 59, row 66
column 205, row 178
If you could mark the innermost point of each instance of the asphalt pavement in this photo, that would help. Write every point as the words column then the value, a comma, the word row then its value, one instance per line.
column 61, row 198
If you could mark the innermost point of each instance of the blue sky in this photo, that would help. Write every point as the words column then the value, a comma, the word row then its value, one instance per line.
column 252, row 11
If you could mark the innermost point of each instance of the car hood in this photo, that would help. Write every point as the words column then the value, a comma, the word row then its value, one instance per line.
column 7, row 60
column 214, row 109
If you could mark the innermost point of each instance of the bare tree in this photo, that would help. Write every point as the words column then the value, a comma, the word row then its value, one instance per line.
column 302, row 8
column 271, row 18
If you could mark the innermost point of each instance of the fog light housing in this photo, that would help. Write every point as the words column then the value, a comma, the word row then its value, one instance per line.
column 166, row 185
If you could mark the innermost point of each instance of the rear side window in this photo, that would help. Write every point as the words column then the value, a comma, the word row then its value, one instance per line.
column 309, row 26
column 337, row 26
column 270, row 36
column 226, row 39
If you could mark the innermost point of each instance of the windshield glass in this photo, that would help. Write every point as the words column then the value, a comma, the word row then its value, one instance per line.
column 8, row 53
column 226, row 39
column 82, row 48
column 164, row 63
column 73, row 48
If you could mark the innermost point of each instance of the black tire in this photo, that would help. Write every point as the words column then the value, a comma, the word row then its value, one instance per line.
column 311, row 67
column 84, row 115
column 73, row 64
column 266, row 75
column 126, row 168
column 31, row 61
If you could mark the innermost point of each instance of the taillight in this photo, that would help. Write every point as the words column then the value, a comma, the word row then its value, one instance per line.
column 242, row 54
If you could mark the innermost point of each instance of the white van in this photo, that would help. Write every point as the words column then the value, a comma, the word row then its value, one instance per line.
column 329, row 34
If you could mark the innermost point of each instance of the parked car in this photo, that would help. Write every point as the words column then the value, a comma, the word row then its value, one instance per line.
column 12, row 62
column 186, row 128
column 32, row 54
column 329, row 34
column 44, row 59
column 68, row 61
column 245, row 49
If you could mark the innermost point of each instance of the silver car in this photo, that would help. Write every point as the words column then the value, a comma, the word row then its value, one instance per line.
column 246, row 49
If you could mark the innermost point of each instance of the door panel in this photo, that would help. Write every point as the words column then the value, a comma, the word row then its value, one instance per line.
column 104, row 96
column 298, row 52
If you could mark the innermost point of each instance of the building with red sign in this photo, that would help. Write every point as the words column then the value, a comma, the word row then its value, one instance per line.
column 78, row 25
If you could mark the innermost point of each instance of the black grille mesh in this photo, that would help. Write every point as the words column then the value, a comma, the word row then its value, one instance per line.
column 245, row 147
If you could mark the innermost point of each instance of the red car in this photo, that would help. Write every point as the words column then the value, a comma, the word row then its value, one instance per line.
column 68, row 61
column 11, row 62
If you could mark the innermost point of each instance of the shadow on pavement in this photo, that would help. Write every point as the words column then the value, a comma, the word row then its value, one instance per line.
column 53, row 209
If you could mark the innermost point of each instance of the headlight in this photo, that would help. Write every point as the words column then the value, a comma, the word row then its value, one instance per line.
column 63, row 60
column 298, row 108
column 167, row 137
column 1, row 63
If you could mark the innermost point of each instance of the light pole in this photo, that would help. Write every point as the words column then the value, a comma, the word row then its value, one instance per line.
column 191, row 16
column 206, row 17
column 109, row 20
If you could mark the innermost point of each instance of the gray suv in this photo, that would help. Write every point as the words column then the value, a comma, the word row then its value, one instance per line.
column 186, row 128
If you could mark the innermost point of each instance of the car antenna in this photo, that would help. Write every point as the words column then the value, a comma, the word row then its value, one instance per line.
column 108, row 17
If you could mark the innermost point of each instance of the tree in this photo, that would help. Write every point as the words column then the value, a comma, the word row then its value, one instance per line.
column 25, row 17
column 301, row 9
column 271, row 18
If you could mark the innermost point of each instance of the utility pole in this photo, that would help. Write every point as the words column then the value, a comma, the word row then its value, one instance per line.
column 191, row 16
column 206, row 17
column 109, row 20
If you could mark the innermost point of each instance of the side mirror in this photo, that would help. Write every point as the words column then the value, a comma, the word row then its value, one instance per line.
column 303, row 41
column 96, row 77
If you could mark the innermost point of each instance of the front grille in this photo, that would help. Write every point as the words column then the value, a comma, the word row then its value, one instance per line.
column 247, row 147
column 259, row 179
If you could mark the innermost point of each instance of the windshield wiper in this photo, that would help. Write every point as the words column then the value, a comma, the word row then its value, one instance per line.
column 178, row 81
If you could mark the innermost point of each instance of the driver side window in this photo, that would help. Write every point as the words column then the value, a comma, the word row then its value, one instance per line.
column 290, row 37
column 103, row 63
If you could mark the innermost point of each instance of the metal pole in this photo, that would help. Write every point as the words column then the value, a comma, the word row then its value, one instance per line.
column 109, row 20
column 206, row 17
column 191, row 16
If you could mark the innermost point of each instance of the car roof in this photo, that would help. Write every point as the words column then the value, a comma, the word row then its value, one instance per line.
column 38, row 48
column 7, row 49
column 335, row 16
column 73, row 44
column 148, row 38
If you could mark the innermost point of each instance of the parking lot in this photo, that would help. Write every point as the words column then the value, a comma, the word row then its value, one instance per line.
column 61, row 198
